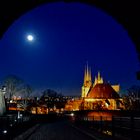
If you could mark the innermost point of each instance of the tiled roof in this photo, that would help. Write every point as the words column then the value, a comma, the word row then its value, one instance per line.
column 103, row 91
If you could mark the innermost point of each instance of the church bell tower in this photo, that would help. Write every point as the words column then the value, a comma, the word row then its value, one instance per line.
column 87, row 81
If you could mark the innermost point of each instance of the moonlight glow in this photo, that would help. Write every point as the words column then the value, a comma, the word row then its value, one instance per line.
column 30, row 38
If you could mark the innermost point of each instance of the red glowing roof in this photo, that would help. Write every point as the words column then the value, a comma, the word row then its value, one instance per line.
column 103, row 91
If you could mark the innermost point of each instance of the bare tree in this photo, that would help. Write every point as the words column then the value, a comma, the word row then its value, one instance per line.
column 52, row 99
column 27, row 89
column 134, row 91
column 13, row 85
column 132, row 99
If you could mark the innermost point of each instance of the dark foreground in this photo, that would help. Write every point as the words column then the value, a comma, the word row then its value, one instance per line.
column 49, row 127
column 71, row 126
column 57, row 131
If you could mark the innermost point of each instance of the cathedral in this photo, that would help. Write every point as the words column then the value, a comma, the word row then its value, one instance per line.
column 99, row 94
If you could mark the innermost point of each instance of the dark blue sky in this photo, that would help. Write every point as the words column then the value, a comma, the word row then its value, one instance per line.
column 66, row 37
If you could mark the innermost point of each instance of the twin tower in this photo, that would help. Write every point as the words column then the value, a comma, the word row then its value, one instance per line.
column 87, row 85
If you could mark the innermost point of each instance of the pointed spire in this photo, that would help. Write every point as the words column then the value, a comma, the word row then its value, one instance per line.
column 102, row 80
column 90, row 74
column 87, row 75
column 99, row 77
column 95, row 81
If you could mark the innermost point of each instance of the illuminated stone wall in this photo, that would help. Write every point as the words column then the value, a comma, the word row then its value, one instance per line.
column 2, row 102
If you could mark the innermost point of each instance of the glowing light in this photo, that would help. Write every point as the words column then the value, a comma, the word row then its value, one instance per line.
column 30, row 37
column 72, row 114
column 11, row 125
column 4, row 131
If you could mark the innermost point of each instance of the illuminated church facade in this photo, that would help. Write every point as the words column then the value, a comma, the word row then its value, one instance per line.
column 99, row 95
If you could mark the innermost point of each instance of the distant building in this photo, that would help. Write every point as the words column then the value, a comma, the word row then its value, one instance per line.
column 98, row 95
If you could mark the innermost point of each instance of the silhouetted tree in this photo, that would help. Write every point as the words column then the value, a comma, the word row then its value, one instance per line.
column 13, row 85
column 52, row 99
column 127, row 102
column 27, row 89
column 134, row 91
column 132, row 99
column 16, row 86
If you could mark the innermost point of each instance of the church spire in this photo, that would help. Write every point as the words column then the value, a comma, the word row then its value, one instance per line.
column 99, row 76
column 90, row 74
column 87, row 81
column 87, row 76
column 98, row 80
column 87, row 72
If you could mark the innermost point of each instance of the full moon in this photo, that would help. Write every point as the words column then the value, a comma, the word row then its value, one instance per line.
column 30, row 37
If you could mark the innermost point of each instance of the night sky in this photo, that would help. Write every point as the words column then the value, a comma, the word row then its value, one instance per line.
column 66, row 36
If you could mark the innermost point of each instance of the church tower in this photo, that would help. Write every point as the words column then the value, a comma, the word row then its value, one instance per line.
column 98, row 79
column 87, row 81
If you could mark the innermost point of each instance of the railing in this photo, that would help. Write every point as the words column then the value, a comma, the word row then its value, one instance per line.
column 12, row 124
column 114, row 127
column 128, row 127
